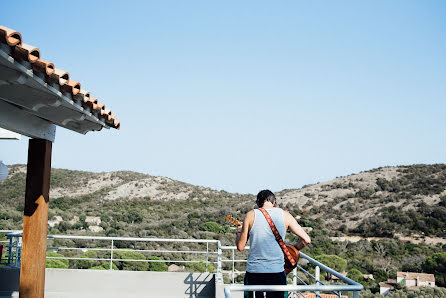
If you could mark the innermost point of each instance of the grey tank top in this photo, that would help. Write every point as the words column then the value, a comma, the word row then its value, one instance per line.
column 265, row 254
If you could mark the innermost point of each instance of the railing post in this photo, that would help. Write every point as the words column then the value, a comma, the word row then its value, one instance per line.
column 219, row 275
column 17, row 253
column 355, row 294
column 10, row 251
column 111, row 255
column 233, row 265
column 295, row 276
column 317, row 275
column 207, row 255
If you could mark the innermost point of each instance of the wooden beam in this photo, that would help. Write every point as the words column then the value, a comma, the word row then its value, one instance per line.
column 35, row 221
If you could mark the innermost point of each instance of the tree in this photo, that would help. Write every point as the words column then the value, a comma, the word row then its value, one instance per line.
column 355, row 274
column 334, row 262
column 436, row 264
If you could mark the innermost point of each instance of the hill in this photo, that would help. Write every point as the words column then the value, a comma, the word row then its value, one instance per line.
column 384, row 202
column 388, row 202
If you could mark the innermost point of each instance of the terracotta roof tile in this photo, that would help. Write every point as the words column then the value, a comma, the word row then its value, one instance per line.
column 26, row 52
column 43, row 66
column 70, row 86
column 53, row 75
column 59, row 77
column 10, row 36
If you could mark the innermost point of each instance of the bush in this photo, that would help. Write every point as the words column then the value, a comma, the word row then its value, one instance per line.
column 157, row 266
column 200, row 267
column 86, row 264
column 130, row 265
column 56, row 263
column 212, row 226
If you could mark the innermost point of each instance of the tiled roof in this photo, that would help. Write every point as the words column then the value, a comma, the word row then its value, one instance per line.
column 414, row 275
column 30, row 57
column 387, row 285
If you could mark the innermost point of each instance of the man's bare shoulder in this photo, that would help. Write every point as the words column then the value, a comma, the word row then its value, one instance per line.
column 287, row 216
column 249, row 215
column 286, row 212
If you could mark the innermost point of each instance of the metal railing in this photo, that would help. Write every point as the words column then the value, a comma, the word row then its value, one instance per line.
column 298, row 290
column 12, row 248
column 212, row 256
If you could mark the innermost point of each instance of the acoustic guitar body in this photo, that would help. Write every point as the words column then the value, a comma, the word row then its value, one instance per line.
column 295, row 254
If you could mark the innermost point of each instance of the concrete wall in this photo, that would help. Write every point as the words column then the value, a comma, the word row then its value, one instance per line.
column 105, row 283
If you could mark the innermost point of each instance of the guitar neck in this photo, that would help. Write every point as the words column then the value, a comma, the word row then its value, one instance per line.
column 232, row 220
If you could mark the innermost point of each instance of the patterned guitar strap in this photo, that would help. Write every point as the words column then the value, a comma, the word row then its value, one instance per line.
column 278, row 237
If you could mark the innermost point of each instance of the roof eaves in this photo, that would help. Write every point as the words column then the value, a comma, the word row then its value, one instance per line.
column 43, row 76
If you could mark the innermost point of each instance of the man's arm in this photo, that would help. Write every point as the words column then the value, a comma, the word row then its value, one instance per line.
column 297, row 230
column 241, row 237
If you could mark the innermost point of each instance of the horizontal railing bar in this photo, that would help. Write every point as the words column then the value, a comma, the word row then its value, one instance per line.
column 130, row 260
column 124, row 238
column 132, row 239
column 310, row 288
column 232, row 247
column 135, row 250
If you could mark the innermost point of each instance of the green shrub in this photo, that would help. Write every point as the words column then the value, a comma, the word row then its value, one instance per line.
column 200, row 267
column 212, row 226
column 157, row 266
column 130, row 265
column 56, row 263
column 86, row 264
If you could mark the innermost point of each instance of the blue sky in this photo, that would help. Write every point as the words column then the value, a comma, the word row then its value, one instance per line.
column 246, row 95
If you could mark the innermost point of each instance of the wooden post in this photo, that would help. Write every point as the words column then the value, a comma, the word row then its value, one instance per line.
column 35, row 220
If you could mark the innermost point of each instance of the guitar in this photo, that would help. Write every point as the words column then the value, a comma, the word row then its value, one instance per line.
column 295, row 254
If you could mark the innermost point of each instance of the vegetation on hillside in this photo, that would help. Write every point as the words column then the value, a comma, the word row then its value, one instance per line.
column 412, row 202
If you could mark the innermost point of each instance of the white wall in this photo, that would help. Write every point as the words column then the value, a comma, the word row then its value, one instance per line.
column 112, row 283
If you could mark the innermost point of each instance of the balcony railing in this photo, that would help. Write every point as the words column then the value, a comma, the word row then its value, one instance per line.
column 213, row 254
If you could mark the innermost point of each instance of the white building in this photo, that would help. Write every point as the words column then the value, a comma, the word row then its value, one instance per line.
column 93, row 220
column 414, row 280
column 95, row 229
column 386, row 287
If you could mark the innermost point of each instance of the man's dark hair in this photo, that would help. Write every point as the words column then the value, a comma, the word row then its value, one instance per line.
column 265, row 195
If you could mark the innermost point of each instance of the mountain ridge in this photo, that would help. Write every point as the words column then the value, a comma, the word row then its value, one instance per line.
column 348, row 205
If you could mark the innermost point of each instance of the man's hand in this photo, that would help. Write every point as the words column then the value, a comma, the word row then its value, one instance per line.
column 238, row 233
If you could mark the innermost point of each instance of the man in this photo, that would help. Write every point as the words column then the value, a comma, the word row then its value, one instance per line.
column 265, row 259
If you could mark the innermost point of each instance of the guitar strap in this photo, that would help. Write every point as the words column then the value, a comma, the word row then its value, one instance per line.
column 278, row 237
